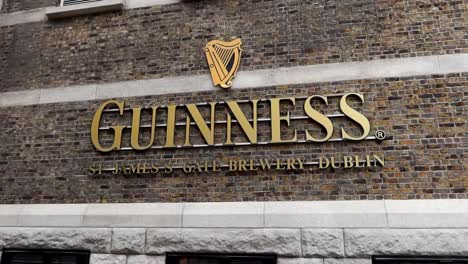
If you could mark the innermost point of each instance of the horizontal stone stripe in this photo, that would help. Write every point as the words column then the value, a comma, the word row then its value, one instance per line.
column 98, row 240
column 347, row 261
column 297, row 243
column 402, row 67
column 39, row 14
column 144, row 259
column 304, row 214
column 300, row 261
column 406, row 242
column 284, row 242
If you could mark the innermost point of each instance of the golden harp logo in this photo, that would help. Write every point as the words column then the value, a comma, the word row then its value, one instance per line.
column 224, row 60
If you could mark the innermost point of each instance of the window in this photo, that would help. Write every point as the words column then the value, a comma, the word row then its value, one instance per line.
column 219, row 259
column 420, row 260
column 71, row 8
column 75, row 2
column 11, row 256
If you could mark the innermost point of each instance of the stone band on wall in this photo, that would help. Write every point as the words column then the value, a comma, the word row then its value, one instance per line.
column 290, row 242
column 298, row 232
column 403, row 67
column 312, row 214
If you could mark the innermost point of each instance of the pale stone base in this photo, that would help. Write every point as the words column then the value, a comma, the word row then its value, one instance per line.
column 110, row 245
column 299, row 232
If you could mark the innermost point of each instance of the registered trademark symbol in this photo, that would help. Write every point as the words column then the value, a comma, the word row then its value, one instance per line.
column 380, row 135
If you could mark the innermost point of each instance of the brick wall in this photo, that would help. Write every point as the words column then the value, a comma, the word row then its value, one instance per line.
column 46, row 150
column 167, row 40
column 10, row 6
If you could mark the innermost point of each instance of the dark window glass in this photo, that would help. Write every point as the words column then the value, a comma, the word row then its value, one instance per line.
column 420, row 260
column 13, row 256
column 219, row 259
column 26, row 258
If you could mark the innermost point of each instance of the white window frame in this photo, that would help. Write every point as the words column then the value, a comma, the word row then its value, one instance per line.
column 84, row 8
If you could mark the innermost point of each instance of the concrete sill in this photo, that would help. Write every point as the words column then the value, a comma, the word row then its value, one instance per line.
column 84, row 9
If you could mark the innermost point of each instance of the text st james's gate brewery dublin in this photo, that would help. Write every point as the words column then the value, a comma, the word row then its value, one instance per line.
column 244, row 115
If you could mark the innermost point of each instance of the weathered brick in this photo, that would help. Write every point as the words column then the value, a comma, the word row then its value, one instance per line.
column 47, row 150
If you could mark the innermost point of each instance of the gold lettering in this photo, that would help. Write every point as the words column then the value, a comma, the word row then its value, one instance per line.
column 252, row 166
column 168, row 168
column 276, row 119
column 291, row 164
column 154, row 168
column 379, row 160
column 125, row 169
column 228, row 130
column 324, row 163
column 301, row 164
column 357, row 161
column 323, row 120
column 355, row 116
column 265, row 164
column 92, row 169
column 242, row 164
column 134, row 169
column 348, row 162
column 215, row 166
column 197, row 167
column 249, row 130
column 142, row 168
column 332, row 162
column 170, row 129
column 368, row 160
column 187, row 168
column 279, row 165
column 117, row 129
column 136, row 128
column 187, row 132
column 208, row 133
column 232, row 165
column 116, row 169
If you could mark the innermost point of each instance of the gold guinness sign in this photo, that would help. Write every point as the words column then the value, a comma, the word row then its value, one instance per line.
column 224, row 60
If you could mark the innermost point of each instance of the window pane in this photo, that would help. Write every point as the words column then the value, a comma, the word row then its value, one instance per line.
column 246, row 261
column 27, row 259
column 64, row 260
column 16, row 256
column 202, row 261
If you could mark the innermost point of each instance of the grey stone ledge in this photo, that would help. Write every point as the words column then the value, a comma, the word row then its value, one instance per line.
column 307, row 214
column 434, row 214
column 408, row 242
column 98, row 240
column 326, row 214
column 283, row 242
column 128, row 240
column 401, row 67
column 314, row 244
column 347, row 261
column 107, row 259
column 134, row 215
column 145, row 259
column 245, row 214
column 322, row 243
column 300, row 261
